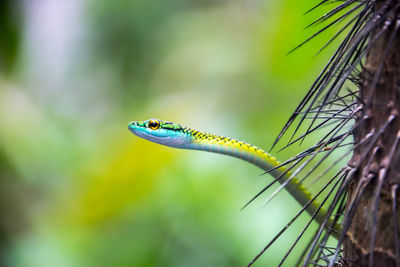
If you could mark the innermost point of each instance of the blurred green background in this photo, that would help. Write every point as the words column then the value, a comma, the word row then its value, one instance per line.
column 78, row 189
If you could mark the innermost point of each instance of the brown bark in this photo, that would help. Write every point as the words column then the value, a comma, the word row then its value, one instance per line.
column 379, row 171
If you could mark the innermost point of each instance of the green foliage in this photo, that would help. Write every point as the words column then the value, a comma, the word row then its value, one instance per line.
column 100, row 196
column 10, row 33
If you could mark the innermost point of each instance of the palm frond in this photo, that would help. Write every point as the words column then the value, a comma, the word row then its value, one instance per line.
column 337, row 103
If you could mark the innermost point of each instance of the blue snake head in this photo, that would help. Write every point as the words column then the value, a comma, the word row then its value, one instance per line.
column 161, row 132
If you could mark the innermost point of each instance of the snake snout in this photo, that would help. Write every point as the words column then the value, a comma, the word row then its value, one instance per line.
column 132, row 125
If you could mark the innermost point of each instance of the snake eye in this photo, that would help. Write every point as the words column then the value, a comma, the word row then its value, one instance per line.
column 154, row 125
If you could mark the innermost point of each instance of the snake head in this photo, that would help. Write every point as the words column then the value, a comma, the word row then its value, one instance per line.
column 161, row 132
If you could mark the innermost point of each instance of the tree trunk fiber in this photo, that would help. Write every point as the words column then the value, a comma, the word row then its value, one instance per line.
column 378, row 174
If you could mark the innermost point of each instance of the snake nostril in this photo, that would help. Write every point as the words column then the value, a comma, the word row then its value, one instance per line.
column 132, row 125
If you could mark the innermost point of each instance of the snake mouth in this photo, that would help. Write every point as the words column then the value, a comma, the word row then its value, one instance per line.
column 135, row 128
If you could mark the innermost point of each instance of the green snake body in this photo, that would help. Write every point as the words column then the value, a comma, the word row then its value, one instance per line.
column 175, row 135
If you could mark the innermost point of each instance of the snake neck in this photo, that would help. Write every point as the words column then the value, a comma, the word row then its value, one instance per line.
column 228, row 146
column 257, row 156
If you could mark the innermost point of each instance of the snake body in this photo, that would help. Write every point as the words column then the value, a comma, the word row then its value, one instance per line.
column 175, row 135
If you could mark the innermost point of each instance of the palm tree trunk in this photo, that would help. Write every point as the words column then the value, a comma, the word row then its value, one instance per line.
column 372, row 210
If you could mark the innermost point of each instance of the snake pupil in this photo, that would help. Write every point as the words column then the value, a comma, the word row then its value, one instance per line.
column 154, row 125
